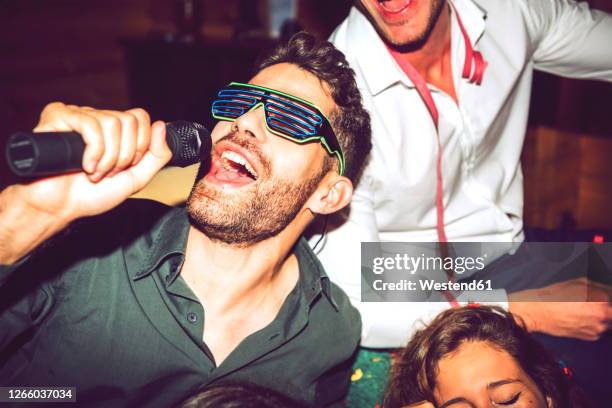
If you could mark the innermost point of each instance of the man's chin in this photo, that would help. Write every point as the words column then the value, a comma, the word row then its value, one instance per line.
column 246, row 212
column 404, row 42
column 221, row 226
column 222, row 214
column 405, row 34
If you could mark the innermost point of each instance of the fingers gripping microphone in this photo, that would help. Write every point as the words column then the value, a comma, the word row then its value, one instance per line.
column 51, row 153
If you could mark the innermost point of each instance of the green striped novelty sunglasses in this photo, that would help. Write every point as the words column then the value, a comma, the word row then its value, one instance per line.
column 286, row 115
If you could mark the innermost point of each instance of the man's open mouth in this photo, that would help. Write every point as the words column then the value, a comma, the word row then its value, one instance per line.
column 394, row 6
column 231, row 169
column 233, row 162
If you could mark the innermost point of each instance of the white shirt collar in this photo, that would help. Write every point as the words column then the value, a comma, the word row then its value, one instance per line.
column 379, row 69
column 377, row 65
column 473, row 17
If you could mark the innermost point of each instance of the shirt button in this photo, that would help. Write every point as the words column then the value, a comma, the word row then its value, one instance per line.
column 192, row 317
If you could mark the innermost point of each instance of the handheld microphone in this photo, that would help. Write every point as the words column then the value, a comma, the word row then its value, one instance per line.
column 31, row 154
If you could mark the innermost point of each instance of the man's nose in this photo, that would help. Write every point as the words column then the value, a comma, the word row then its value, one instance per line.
column 252, row 124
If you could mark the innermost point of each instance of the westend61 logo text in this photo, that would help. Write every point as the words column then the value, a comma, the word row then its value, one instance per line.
column 412, row 264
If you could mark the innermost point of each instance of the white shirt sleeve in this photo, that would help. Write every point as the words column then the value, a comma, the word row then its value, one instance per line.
column 384, row 324
column 570, row 38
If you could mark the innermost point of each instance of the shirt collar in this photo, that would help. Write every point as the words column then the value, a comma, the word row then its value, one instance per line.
column 473, row 17
column 313, row 279
column 378, row 66
column 167, row 237
column 379, row 69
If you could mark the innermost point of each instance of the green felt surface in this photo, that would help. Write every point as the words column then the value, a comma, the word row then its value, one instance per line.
column 370, row 373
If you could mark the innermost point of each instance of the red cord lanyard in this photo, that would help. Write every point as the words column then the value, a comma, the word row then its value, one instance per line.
column 421, row 87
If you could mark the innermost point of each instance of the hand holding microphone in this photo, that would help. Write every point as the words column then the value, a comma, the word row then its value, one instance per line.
column 32, row 155
column 118, row 154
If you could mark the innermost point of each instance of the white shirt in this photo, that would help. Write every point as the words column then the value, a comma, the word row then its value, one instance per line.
column 482, row 138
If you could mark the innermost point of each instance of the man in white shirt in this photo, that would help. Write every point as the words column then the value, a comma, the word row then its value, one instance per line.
column 481, row 127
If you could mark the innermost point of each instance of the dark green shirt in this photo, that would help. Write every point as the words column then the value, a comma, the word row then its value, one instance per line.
column 103, row 308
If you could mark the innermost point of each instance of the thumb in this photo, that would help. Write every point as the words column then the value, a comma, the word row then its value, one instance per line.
column 156, row 157
column 159, row 148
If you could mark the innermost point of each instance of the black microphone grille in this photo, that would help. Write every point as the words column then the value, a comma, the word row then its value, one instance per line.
column 185, row 140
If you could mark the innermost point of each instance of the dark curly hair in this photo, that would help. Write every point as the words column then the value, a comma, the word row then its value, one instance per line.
column 413, row 377
column 239, row 394
column 351, row 122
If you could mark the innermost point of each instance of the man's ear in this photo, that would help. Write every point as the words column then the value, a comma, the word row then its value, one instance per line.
column 333, row 194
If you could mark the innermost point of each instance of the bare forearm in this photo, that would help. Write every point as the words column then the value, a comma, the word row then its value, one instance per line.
column 576, row 308
column 22, row 228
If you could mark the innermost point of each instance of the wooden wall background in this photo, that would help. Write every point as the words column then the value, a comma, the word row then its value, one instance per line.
column 69, row 50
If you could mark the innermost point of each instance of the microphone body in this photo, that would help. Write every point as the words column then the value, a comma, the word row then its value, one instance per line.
column 31, row 154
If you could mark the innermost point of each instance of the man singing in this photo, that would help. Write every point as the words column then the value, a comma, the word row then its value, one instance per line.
column 141, row 304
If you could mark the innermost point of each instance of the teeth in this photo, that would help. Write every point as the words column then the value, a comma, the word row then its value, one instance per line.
column 236, row 158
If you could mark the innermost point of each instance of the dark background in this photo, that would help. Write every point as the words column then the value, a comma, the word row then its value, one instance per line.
column 118, row 54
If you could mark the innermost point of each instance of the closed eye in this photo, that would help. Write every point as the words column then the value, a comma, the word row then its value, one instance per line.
column 511, row 401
